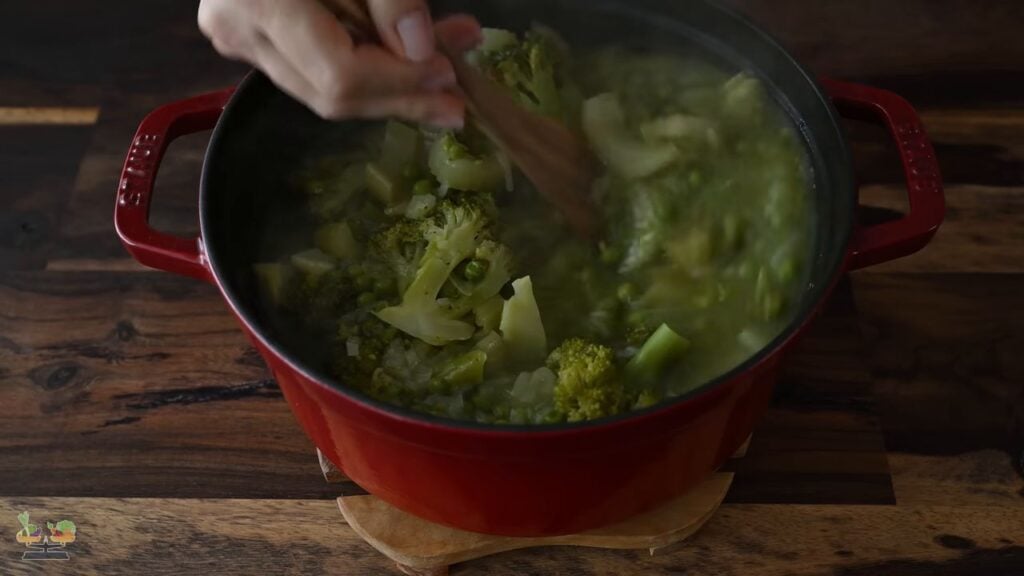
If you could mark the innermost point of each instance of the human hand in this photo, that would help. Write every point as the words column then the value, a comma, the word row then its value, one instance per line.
column 303, row 48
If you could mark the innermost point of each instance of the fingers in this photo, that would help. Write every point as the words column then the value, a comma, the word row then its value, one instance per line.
column 442, row 110
column 286, row 76
column 459, row 33
column 301, row 46
column 309, row 37
column 405, row 27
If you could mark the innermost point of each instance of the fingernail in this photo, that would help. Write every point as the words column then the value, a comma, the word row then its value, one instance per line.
column 416, row 35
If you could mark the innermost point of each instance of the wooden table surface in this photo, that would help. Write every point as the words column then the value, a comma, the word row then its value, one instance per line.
column 131, row 404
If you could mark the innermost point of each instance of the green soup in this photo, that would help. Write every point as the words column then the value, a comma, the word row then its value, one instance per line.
column 431, row 275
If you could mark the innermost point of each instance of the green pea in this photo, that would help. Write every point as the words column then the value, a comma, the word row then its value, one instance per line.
column 364, row 282
column 636, row 319
column 626, row 292
column 383, row 286
column 365, row 299
column 355, row 269
column 695, row 178
column 475, row 269
column 610, row 254
column 424, row 186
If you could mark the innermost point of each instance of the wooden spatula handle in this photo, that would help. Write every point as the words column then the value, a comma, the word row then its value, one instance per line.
column 355, row 15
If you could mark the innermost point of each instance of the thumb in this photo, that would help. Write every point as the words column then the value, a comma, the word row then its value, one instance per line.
column 405, row 27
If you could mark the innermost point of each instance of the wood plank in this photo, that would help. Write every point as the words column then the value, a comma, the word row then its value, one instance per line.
column 37, row 170
column 821, row 440
column 982, row 233
column 982, row 478
column 171, row 536
column 146, row 387
column 58, row 53
column 933, row 51
column 36, row 116
column 944, row 351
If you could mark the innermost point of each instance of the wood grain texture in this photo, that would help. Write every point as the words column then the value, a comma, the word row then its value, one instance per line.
column 297, row 537
column 37, row 116
column 59, row 53
column 954, row 348
column 37, row 171
column 141, row 385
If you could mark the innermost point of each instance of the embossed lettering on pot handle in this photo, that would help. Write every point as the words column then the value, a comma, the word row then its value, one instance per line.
column 135, row 188
column 890, row 240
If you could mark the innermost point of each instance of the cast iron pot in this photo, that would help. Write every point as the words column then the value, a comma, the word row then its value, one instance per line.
column 541, row 480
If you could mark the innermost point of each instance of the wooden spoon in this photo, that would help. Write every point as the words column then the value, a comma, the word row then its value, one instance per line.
column 557, row 161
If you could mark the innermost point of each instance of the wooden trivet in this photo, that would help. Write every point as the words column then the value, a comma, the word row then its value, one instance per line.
column 422, row 548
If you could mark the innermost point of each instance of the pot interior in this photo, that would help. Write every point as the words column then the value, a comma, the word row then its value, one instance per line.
column 263, row 136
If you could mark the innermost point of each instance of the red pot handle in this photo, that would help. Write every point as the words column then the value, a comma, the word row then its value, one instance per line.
column 883, row 242
column 135, row 189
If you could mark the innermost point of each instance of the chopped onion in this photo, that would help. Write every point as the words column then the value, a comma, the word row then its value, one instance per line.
column 506, row 165
column 352, row 346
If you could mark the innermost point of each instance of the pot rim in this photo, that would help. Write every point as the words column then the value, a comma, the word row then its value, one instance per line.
column 814, row 297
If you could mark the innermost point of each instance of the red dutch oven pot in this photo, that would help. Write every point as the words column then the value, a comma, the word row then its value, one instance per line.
column 524, row 481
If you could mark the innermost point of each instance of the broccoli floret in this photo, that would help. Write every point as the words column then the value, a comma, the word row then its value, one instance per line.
column 588, row 385
column 319, row 299
column 533, row 68
column 452, row 237
column 401, row 247
column 361, row 340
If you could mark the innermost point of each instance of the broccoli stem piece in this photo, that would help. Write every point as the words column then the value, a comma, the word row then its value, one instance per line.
column 494, row 347
column 462, row 372
column 659, row 351
column 488, row 314
column 455, row 167
column 521, row 326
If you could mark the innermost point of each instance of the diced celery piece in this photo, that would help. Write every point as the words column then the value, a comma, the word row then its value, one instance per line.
column 337, row 240
column 403, row 147
column 273, row 280
column 385, row 186
column 313, row 262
